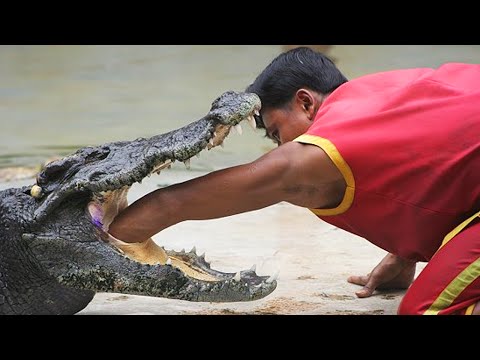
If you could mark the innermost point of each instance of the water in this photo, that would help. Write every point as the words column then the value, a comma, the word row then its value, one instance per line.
column 55, row 99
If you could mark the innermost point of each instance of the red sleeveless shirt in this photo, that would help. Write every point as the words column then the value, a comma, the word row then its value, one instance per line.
column 408, row 145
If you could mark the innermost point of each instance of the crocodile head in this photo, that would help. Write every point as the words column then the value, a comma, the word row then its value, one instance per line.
column 59, row 225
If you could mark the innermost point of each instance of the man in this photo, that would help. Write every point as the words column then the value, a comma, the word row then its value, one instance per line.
column 393, row 157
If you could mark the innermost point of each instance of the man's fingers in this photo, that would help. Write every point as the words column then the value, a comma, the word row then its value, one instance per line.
column 365, row 292
column 358, row 280
column 368, row 289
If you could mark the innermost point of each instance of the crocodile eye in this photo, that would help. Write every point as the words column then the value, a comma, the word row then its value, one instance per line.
column 36, row 192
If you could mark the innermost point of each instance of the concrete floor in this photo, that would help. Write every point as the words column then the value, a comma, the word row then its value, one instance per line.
column 314, row 260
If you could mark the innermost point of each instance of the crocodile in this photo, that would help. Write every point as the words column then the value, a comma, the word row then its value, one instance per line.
column 55, row 249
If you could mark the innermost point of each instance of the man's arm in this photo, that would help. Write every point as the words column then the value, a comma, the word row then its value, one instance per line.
column 297, row 173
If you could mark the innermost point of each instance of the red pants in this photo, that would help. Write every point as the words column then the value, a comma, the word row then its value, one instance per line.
column 450, row 283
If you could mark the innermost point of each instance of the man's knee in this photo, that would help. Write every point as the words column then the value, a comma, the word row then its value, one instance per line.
column 411, row 306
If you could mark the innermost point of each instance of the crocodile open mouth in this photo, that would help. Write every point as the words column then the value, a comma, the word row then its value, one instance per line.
column 106, row 205
column 100, row 178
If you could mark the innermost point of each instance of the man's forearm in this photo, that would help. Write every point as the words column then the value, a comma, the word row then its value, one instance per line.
column 218, row 194
column 300, row 174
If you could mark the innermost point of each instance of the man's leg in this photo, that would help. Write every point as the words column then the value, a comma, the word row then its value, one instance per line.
column 450, row 283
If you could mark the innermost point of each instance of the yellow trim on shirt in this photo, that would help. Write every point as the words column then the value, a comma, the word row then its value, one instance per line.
column 332, row 152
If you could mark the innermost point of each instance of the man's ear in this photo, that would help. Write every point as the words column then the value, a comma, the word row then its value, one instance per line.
column 306, row 100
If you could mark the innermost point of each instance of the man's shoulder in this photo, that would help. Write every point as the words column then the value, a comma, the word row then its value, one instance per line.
column 390, row 79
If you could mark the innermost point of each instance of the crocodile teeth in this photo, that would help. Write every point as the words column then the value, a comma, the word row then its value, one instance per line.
column 187, row 164
column 272, row 278
column 210, row 141
column 237, row 277
column 238, row 129
column 253, row 268
column 169, row 261
column 214, row 134
column 251, row 122
column 256, row 112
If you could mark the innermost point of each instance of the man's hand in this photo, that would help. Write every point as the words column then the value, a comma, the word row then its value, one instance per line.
column 392, row 272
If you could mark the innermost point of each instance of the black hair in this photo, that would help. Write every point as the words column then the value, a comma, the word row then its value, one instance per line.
column 295, row 69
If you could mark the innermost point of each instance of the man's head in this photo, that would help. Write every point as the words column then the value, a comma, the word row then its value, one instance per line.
column 291, row 89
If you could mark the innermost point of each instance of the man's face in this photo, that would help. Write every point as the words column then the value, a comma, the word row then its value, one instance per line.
column 284, row 125
column 287, row 123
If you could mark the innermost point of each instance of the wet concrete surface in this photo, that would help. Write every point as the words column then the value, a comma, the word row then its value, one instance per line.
column 314, row 260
